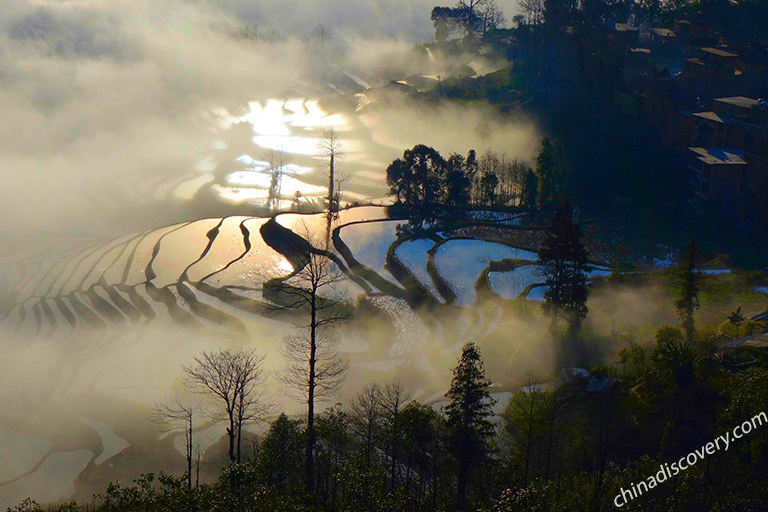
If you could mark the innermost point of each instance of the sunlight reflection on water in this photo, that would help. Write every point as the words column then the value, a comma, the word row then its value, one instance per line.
column 294, row 127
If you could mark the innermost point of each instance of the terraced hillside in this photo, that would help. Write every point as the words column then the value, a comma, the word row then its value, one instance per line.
column 101, row 318
column 209, row 273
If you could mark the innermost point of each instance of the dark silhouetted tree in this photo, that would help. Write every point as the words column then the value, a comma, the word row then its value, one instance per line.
column 530, row 190
column 458, row 185
column 489, row 182
column 468, row 414
column 688, row 302
column 416, row 179
column 393, row 398
column 563, row 259
column 281, row 455
column 175, row 416
column 314, row 369
column 233, row 379
column 552, row 169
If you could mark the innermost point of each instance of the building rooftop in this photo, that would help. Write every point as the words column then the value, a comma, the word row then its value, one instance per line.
column 711, row 116
column 719, row 156
column 738, row 101
column 718, row 52
column 626, row 27
column 664, row 32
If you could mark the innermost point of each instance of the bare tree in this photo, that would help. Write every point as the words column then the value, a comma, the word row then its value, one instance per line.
column 493, row 17
column 473, row 5
column 366, row 415
column 276, row 179
column 533, row 11
column 251, row 396
column 393, row 397
column 475, row 14
column 314, row 369
column 175, row 416
column 330, row 146
column 366, row 410
column 233, row 379
column 198, row 463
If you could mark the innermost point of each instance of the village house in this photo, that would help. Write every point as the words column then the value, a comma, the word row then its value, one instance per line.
column 719, row 179
column 662, row 37
column 736, row 121
column 694, row 34
column 729, row 183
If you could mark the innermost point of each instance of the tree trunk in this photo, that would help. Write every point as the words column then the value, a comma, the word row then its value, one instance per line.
column 330, row 182
column 239, row 439
column 310, row 447
column 331, row 206
column 189, row 453
column 463, row 472
column 529, row 440
column 231, row 435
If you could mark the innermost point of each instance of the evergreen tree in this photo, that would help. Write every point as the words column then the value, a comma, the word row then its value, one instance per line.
column 417, row 178
column 688, row 302
column 468, row 416
column 457, row 184
column 551, row 167
column 530, row 190
column 281, row 456
column 563, row 258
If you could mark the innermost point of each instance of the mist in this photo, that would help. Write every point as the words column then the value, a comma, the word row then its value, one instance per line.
column 104, row 105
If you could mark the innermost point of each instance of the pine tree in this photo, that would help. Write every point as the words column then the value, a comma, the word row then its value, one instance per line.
column 563, row 258
column 551, row 168
column 688, row 302
column 468, row 416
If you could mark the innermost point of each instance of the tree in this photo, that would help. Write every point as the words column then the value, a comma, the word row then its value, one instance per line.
column 533, row 10
column 458, row 185
column 393, row 397
column 281, row 456
column 232, row 378
column 176, row 415
column 563, row 259
column 634, row 359
column 560, row 12
column 366, row 423
column 473, row 13
column 420, row 426
column 314, row 369
column 552, row 170
column 333, row 446
column 489, row 182
column 330, row 145
column 530, row 190
column 688, row 302
column 416, row 179
column 493, row 17
column 276, row 178
column 447, row 21
column 523, row 424
column 468, row 414
column 366, row 413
